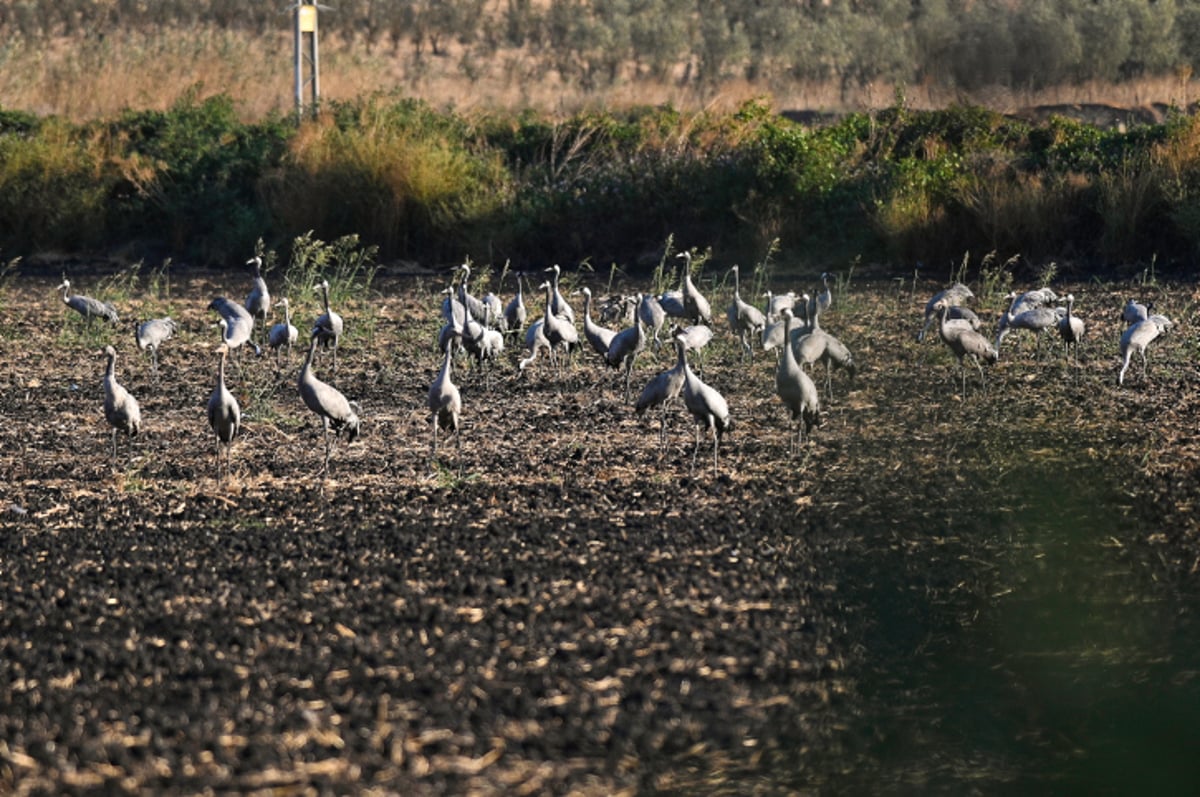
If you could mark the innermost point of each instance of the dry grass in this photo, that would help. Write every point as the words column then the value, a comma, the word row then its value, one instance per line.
column 97, row 77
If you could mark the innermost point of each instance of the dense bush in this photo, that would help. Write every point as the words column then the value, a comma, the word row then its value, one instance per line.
column 436, row 186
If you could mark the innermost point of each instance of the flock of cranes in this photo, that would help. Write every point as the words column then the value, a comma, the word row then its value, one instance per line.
column 789, row 325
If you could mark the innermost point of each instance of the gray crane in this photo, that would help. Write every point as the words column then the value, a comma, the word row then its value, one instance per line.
column 598, row 337
column 776, row 302
column 1137, row 338
column 284, row 334
column 1135, row 311
column 664, row 388
column 445, row 406
column 708, row 408
column 745, row 320
column 1071, row 328
column 695, row 337
column 796, row 390
column 224, row 414
column 1038, row 297
column 773, row 333
column 258, row 302
column 813, row 344
column 559, row 305
column 653, row 316
column 121, row 409
column 557, row 329
column 239, row 324
column 958, row 314
column 624, row 348
column 824, row 299
column 963, row 342
column 535, row 341
column 493, row 313
column 1037, row 319
column 152, row 334
column 515, row 312
column 695, row 306
column 328, row 327
column 481, row 342
column 465, row 297
column 618, row 309
column 88, row 307
column 327, row 402
column 955, row 294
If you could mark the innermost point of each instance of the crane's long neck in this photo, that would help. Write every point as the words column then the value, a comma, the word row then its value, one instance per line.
column 64, row 288
column 789, row 354
column 325, row 293
column 110, row 372
column 587, row 306
column 549, row 301
column 287, row 314
column 221, row 372
column 444, row 376
column 306, row 370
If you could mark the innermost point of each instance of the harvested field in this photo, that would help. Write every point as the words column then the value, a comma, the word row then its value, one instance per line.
column 935, row 595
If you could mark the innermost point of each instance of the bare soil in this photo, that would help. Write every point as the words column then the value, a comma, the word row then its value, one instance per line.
column 996, row 594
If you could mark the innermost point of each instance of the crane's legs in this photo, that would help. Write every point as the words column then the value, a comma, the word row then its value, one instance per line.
column 716, row 441
column 328, row 446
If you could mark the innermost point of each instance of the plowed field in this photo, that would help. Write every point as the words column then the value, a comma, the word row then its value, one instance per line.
column 933, row 595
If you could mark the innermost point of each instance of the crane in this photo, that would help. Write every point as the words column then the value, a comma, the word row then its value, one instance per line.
column 327, row 402
column 560, row 306
column 664, row 388
column 708, row 408
column 598, row 337
column 1135, row 311
column 653, row 316
column 955, row 294
column 224, row 414
column 121, row 409
column 237, row 325
column 695, row 306
column 624, row 348
column 445, row 406
column 745, row 319
column 557, row 329
column 963, row 342
column 796, row 390
column 816, row 344
column 88, row 307
column 152, row 334
column 824, row 299
column 1038, row 319
column 515, row 312
column 1137, row 338
column 776, row 302
column 535, row 341
column 284, row 334
column 258, row 302
column 327, row 329
column 1071, row 328
column 773, row 333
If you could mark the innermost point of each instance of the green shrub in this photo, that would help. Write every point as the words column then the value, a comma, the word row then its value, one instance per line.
column 54, row 188
column 409, row 180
